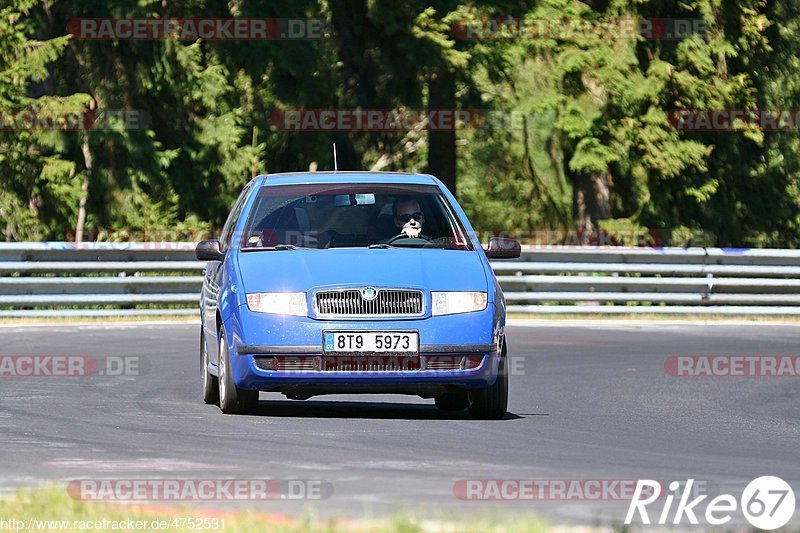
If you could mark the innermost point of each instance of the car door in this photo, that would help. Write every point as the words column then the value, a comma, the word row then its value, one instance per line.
column 214, row 278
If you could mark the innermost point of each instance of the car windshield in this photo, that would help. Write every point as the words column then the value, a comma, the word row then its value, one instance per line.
column 321, row 216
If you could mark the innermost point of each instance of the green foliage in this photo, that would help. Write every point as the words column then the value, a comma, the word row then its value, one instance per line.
column 611, row 98
column 577, row 131
column 36, row 174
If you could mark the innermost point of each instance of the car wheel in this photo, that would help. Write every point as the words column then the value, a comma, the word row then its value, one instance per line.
column 232, row 399
column 210, row 385
column 452, row 401
column 491, row 403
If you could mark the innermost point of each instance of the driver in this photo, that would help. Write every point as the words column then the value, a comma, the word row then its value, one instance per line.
column 408, row 216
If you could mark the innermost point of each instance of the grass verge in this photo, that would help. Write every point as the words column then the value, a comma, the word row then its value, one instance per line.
column 51, row 509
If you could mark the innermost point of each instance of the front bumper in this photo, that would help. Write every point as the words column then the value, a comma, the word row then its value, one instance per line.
column 442, row 338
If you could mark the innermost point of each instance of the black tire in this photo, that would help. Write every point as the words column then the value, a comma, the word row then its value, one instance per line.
column 210, row 385
column 491, row 403
column 232, row 399
column 452, row 401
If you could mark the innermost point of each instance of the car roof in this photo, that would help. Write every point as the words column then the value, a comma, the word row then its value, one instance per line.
column 347, row 176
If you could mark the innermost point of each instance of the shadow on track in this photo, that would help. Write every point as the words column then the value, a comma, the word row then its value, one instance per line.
column 355, row 409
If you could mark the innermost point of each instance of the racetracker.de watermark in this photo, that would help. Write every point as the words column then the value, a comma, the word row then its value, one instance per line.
column 147, row 238
column 76, row 120
column 400, row 120
column 733, row 365
column 516, row 365
column 70, row 366
column 198, row 490
column 734, row 119
column 557, row 489
column 581, row 29
column 544, row 489
column 191, row 29
column 591, row 238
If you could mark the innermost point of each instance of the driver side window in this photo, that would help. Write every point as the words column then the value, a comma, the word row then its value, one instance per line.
column 233, row 218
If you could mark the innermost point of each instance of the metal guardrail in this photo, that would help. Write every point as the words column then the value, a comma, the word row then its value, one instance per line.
column 57, row 279
column 129, row 279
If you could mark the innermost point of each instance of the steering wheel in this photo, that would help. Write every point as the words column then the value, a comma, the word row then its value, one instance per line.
column 404, row 236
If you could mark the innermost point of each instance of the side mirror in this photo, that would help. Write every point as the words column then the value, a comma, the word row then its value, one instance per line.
column 502, row 248
column 208, row 250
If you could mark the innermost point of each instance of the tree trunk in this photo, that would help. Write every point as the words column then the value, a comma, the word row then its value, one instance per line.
column 353, row 32
column 8, row 232
column 591, row 200
column 442, row 142
column 87, row 160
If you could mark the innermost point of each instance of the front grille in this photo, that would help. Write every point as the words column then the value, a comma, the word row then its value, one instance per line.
column 295, row 364
column 350, row 303
column 370, row 363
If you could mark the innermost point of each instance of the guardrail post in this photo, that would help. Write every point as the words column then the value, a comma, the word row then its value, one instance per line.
column 709, row 286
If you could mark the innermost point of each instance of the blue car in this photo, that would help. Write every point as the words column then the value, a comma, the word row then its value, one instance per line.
column 352, row 282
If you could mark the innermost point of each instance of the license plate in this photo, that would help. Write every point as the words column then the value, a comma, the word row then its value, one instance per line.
column 406, row 342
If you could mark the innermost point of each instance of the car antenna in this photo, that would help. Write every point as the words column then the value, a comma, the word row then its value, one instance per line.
column 335, row 163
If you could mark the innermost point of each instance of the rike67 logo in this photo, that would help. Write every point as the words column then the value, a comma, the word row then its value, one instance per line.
column 768, row 503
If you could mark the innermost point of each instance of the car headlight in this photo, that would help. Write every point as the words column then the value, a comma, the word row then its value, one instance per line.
column 450, row 303
column 278, row 303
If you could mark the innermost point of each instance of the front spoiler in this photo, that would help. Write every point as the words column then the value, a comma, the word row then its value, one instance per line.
column 426, row 383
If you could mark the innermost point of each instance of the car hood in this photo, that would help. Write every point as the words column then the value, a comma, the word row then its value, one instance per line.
column 303, row 270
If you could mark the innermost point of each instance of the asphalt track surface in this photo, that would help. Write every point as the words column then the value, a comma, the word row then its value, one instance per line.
column 587, row 401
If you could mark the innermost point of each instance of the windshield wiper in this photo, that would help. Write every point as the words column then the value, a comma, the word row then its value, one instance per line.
column 380, row 245
column 276, row 247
